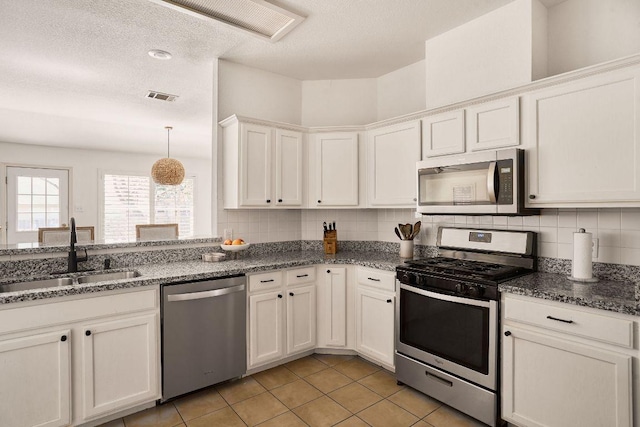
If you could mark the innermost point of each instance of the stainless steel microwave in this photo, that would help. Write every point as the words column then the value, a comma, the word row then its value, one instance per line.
column 483, row 183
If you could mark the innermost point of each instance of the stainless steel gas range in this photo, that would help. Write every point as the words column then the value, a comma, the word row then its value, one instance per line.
column 447, row 316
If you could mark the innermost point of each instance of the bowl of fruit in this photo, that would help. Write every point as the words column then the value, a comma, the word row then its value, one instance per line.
column 234, row 245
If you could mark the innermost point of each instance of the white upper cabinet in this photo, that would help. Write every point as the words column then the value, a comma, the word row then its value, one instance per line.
column 392, row 153
column 262, row 165
column 585, row 141
column 334, row 181
column 493, row 124
column 443, row 134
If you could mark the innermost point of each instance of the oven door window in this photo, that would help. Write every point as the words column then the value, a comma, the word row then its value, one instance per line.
column 452, row 330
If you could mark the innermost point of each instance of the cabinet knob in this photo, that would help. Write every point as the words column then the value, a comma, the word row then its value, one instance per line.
column 63, row 338
column 415, row 199
column 279, row 295
column 319, row 201
column 290, row 294
column 532, row 196
column 507, row 333
column 328, row 271
column 279, row 200
column 389, row 301
column 87, row 333
column 268, row 200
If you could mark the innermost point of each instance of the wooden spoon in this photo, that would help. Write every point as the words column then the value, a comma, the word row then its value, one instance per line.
column 416, row 230
column 405, row 229
column 398, row 233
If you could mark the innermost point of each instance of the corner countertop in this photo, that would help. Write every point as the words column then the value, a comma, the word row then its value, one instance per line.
column 610, row 295
column 175, row 272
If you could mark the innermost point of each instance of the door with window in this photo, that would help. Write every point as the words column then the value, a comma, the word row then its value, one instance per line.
column 36, row 198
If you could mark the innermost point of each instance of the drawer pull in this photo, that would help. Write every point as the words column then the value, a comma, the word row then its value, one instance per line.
column 438, row 379
column 266, row 281
column 302, row 275
column 559, row 320
column 279, row 295
column 372, row 279
column 389, row 301
column 291, row 294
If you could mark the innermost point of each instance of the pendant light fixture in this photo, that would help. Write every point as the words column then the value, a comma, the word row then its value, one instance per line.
column 167, row 171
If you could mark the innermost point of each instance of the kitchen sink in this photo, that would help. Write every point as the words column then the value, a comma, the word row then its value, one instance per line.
column 103, row 277
column 36, row 284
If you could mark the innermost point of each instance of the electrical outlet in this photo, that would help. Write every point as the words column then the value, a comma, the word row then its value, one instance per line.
column 594, row 248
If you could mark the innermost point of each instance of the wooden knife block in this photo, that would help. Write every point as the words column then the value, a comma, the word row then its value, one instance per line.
column 330, row 242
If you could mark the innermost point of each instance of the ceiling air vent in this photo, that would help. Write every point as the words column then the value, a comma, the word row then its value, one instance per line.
column 161, row 96
column 258, row 17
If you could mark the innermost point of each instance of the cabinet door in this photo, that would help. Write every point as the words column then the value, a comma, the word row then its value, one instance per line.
column 332, row 307
column 375, row 324
column 549, row 381
column 493, row 124
column 35, row 385
column 443, row 134
column 119, row 364
column 392, row 153
column 301, row 319
column 336, row 162
column 288, row 169
column 586, row 141
column 265, row 328
column 256, row 167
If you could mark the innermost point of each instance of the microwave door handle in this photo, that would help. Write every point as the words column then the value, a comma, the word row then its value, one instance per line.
column 491, row 182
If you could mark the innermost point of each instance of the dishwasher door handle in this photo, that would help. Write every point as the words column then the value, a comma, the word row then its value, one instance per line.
column 205, row 294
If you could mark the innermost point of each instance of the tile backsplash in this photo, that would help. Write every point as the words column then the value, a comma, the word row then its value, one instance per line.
column 618, row 230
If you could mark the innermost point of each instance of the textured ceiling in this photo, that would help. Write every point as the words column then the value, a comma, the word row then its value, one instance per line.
column 74, row 73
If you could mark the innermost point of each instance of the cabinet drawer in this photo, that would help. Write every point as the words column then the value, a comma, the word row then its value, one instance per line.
column 264, row 281
column 301, row 275
column 378, row 279
column 575, row 322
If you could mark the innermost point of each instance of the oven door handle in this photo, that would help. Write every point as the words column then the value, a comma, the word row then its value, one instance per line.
column 450, row 298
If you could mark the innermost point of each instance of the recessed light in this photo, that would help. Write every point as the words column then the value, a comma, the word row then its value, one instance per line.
column 159, row 54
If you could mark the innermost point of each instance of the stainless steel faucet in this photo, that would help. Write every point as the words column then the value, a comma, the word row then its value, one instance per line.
column 73, row 255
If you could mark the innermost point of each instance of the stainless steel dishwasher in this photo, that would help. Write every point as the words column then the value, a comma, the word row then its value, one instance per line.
column 203, row 334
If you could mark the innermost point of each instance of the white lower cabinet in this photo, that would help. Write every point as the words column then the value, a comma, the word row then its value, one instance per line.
column 375, row 314
column 554, row 375
column 117, row 369
column 91, row 365
column 282, row 315
column 332, row 306
column 35, row 389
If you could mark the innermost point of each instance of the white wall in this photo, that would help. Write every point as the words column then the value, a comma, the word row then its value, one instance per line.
column 339, row 102
column 87, row 165
column 491, row 53
column 588, row 32
column 256, row 93
column 402, row 91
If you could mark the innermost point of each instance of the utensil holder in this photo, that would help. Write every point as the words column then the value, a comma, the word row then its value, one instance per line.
column 406, row 248
column 330, row 242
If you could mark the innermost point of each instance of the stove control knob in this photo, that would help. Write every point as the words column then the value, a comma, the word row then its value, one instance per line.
column 476, row 291
column 408, row 278
column 461, row 288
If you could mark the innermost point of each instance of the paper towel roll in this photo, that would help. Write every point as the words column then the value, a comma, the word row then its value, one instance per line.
column 581, row 266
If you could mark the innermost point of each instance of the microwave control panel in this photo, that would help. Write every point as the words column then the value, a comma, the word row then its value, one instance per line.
column 505, row 182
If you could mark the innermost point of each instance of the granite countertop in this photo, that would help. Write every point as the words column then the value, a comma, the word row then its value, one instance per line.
column 167, row 273
column 610, row 295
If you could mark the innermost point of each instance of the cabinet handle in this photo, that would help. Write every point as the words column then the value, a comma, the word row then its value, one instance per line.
column 389, row 301
column 290, row 294
column 279, row 295
column 87, row 333
column 328, row 271
column 438, row 379
column 279, row 200
column 266, row 281
column 532, row 196
column 319, row 201
column 371, row 278
column 507, row 333
column 268, row 200
column 63, row 338
column 302, row 275
column 559, row 320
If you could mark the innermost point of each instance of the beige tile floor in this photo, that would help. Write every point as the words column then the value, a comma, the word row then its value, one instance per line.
column 318, row 390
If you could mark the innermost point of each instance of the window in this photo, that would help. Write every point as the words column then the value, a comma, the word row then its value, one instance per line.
column 134, row 199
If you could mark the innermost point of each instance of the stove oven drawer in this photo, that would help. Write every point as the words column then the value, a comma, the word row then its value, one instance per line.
column 568, row 320
column 383, row 280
